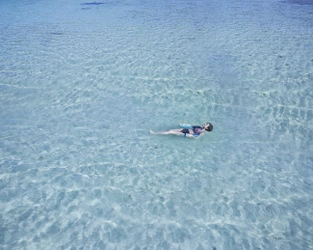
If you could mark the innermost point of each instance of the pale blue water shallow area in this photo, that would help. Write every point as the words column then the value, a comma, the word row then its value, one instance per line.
column 82, row 84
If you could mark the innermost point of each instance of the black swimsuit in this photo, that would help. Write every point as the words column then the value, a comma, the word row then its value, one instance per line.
column 185, row 131
column 195, row 130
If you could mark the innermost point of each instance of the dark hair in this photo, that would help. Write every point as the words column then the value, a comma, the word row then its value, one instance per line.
column 209, row 128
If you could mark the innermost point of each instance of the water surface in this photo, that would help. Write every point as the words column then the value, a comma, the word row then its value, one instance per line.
column 81, row 85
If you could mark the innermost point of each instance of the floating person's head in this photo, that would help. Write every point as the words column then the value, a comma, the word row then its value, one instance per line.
column 208, row 126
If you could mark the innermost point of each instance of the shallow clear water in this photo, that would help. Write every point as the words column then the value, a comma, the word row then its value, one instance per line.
column 81, row 85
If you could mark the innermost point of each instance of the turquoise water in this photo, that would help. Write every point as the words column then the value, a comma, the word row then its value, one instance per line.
column 81, row 85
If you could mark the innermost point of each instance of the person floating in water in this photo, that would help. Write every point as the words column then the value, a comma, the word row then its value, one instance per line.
column 194, row 131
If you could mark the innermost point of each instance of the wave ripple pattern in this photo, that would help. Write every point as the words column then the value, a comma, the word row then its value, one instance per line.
column 81, row 85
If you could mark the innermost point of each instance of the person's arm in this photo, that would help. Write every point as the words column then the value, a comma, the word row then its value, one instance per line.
column 185, row 125
column 192, row 135
column 187, row 135
column 197, row 137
